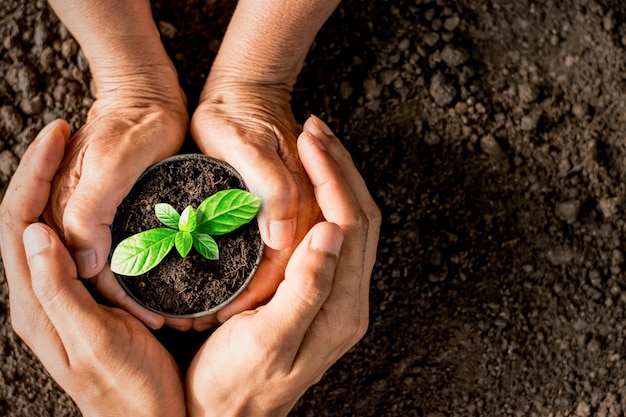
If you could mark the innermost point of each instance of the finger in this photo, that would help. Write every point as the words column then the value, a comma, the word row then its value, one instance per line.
column 267, row 277
column 203, row 323
column 339, row 205
column 182, row 325
column 91, row 208
column 265, row 174
column 307, row 285
column 23, row 203
column 334, row 195
column 344, row 317
column 28, row 192
column 110, row 288
column 316, row 127
column 28, row 319
column 355, row 182
column 64, row 299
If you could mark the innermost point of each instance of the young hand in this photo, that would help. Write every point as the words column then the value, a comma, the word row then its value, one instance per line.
column 104, row 358
column 260, row 362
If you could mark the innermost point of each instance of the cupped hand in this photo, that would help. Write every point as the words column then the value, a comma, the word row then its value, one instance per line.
column 260, row 362
column 137, row 120
column 250, row 125
column 105, row 359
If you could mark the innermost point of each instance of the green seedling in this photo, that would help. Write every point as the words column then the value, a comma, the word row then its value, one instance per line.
column 221, row 213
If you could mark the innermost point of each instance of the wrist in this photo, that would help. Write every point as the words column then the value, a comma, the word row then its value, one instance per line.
column 112, row 409
column 268, row 40
column 235, row 408
column 113, row 32
column 117, row 56
column 113, row 404
column 237, row 89
column 257, row 109
column 149, row 85
column 271, row 66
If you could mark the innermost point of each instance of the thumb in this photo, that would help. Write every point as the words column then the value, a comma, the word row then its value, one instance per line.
column 53, row 278
column 267, row 176
column 308, row 282
column 89, row 214
column 263, row 171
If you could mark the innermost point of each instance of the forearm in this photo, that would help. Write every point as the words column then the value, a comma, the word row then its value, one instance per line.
column 113, row 33
column 267, row 40
column 124, row 50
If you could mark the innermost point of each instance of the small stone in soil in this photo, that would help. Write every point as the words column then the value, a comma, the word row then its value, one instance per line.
column 490, row 146
column 441, row 90
column 454, row 56
column 568, row 211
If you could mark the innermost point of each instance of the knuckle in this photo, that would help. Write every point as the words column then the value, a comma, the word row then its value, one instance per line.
column 344, row 157
column 7, row 219
column 362, row 220
column 19, row 324
column 85, row 351
column 354, row 330
column 284, row 187
column 73, row 220
column 27, row 324
column 348, row 331
column 320, row 286
column 374, row 215
column 82, row 354
column 361, row 331
column 280, row 191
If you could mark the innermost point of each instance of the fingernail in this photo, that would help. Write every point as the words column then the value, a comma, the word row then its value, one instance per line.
column 85, row 261
column 36, row 239
column 325, row 241
column 281, row 231
column 179, row 327
column 153, row 322
column 317, row 141
column 45, row 132
column 323, row 126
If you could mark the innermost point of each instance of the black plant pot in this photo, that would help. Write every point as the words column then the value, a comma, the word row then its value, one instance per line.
column 192, row 286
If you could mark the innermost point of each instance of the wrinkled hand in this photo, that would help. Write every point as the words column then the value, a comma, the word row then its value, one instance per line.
column 105, row 359
column 260, row 362
column 251, row 126
column 136, row 121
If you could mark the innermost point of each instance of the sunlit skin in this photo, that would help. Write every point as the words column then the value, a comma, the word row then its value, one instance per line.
column 258, row 363
column 318, row 220
column 140, row 117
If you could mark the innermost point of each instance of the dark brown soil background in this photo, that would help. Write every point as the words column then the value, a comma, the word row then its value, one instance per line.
column 491, row 134
column 193, row 284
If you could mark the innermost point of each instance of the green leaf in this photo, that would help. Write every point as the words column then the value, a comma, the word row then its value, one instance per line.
column 226, row 211
column 206, row 246
column 167, row 215
column 183, row 242
column 140, row 253
column 188, row 220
